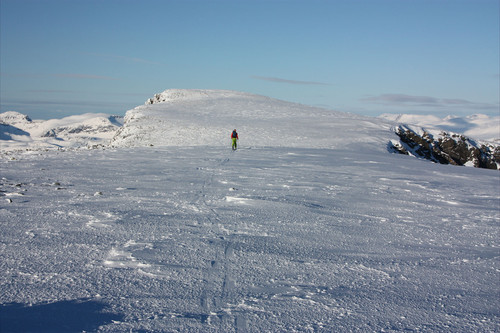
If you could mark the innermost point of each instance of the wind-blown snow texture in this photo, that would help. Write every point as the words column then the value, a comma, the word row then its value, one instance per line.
column 311, row 236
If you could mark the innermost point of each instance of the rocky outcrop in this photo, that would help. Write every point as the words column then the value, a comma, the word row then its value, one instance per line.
column 170, row 95
column 446, row 148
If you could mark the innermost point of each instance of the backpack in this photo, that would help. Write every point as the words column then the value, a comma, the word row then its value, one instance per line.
column 234, row 135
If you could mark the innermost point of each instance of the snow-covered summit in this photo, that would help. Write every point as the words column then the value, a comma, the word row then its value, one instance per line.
column 14, row 118
column 194, row 117
column 172, row 95
column 207, row 117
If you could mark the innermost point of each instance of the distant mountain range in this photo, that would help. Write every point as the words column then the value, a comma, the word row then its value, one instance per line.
column 178, row 117
column 19, row 132
column 477, row 126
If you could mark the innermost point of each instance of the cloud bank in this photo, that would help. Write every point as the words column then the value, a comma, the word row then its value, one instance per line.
column 124, row 58
column 59, row 75
column 279, row 80
column 84, row 76
column 425, row 101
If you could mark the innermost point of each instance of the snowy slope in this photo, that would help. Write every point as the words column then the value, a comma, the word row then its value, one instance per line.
column 207, row 117
column 276, row 239
column 311, row 226
column 179, row 117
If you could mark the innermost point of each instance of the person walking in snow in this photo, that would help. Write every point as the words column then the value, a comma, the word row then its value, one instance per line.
column 234, row 138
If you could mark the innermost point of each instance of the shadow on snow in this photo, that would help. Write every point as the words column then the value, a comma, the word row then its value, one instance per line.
column 63, row 316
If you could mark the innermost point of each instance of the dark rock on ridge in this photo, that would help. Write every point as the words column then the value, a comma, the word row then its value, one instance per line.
column 446, row 148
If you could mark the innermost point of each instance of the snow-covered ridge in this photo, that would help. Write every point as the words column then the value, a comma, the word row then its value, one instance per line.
column 172, row 95
column 207, row 117
column 19, row 132
column 185, row 117
column 14, row 118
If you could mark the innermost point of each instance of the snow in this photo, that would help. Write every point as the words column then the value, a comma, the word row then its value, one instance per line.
column 478, row 126
column 320, row 229
column 193, row 118
column 18, row 132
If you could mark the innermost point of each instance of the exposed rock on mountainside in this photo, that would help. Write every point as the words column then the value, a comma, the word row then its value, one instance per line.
column 446, row 148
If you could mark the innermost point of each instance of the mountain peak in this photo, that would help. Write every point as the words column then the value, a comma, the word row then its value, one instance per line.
column 179, row 117
column 13, row 117
column 175, row 95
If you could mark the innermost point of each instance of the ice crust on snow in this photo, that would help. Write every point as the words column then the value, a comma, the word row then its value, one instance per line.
column 311, row 226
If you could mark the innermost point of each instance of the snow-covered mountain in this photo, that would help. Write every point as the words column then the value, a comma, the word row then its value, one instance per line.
column 19, row 132
column 207, row 117
column 179, row 117
column 311, row 226
column 204, row 117
column 476, row 127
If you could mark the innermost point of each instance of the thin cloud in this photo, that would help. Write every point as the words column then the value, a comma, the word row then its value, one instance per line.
column 401, row 99
column 18, row 102
column 23, row 75
column 124, row 58
column 458, row 101
column 279, row 80
column 58, row 91
column 425, row 101
column 52, row 91
column 84, row 76
column 59, row 75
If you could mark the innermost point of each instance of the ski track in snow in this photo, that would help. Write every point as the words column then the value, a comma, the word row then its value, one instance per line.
column 202, row 239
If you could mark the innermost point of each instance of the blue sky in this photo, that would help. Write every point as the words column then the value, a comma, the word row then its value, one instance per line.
column 62, row 57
